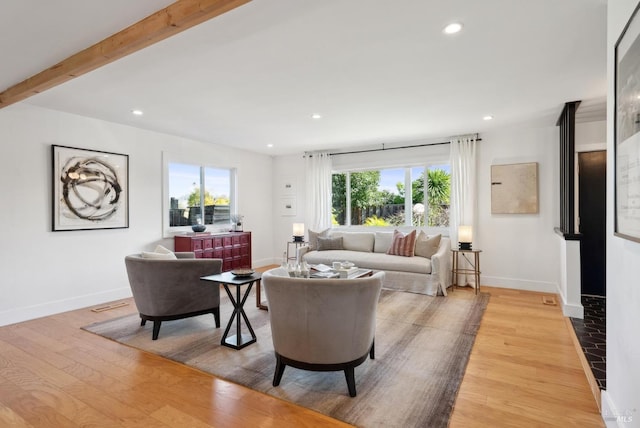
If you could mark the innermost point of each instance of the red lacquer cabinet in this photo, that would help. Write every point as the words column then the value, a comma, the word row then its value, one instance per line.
column 234, row 248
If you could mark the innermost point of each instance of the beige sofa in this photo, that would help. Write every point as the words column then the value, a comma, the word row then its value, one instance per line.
column 368, row 250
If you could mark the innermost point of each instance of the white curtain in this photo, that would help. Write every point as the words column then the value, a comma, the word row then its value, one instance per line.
column 463, row 193
column 318, row 194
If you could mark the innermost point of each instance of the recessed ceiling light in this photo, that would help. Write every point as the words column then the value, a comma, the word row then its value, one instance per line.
column 316, row 116
column 269, row 145
column 452, row 28
column 487, row 117
column 137, row 112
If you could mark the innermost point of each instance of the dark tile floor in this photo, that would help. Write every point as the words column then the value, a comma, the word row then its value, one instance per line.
column 591, row 332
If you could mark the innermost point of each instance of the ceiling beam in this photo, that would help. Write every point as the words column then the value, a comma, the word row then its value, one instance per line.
column 173, row 19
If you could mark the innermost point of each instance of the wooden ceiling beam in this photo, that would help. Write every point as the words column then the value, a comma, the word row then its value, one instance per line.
column 175, row 18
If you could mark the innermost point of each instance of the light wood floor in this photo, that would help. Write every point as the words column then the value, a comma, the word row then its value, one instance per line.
column 523, row 372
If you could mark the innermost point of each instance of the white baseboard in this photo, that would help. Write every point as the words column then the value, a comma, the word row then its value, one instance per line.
column 266, row 262
column 26, row 313
column 572, row 310
column 519, row 284
column 613, row 417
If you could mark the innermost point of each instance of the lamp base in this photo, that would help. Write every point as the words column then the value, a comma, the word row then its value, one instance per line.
column 465, row 245
column 298, row 239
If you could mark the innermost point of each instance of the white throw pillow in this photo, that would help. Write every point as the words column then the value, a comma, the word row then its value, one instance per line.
column 162, row 250
column 358, row 241
column 383, row 242
column 160, row 253
column 427, row 246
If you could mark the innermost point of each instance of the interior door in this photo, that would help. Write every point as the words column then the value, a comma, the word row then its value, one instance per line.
column 592, row 207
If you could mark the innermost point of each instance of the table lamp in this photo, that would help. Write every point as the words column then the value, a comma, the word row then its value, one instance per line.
column 465, row 237
column 298, row 232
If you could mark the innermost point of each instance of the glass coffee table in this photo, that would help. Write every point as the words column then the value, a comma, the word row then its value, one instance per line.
column 359, row 273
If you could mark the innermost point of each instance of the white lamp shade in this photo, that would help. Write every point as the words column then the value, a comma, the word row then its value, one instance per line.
column 465, row 233
column 298, row 229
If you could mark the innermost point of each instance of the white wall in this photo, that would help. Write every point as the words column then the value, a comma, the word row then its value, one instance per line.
column 520, row 250
column 591, row 136
column 45, row 272
column 622, row 397
column 287, row 168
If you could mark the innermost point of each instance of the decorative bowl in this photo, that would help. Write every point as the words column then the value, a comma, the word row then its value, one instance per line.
column 198, row 227
column 242, row 272
column 347, row 265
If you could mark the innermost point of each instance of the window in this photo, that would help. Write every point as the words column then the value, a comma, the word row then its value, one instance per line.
column 198, row 194
column 392, row 197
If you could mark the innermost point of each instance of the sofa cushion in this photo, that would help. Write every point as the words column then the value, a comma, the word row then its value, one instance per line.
column 377, row 261
column 403, row 245
column 356, row 241
column 325, row 244
column 383, row 242
column 427, row 246
column 313, row 238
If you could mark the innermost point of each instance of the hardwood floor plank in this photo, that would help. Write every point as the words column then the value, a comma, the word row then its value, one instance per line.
column 9, row 418
column 114, row 408
column 29, row 408
column 175, row 418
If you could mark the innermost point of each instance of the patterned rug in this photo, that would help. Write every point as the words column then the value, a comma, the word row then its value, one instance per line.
column 422, row 348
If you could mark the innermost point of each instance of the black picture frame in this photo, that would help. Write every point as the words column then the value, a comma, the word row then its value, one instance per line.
column 626, row 130
column 90, row 189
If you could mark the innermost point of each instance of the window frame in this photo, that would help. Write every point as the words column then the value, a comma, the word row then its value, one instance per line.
column 426, row 166
column 168, row 158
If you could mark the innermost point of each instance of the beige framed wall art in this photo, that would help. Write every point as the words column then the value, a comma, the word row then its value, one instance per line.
column 514, row 188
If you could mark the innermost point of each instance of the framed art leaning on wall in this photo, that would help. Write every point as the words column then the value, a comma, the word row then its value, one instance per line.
column 627, row 131
column 90, row 189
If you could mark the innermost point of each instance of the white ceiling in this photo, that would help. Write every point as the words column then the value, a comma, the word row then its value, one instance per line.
column 377, row 71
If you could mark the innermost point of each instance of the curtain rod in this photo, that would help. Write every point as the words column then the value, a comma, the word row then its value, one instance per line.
column 387, row 148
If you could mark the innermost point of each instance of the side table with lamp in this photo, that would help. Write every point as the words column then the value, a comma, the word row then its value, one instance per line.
column 465, row 237
column 297, row 242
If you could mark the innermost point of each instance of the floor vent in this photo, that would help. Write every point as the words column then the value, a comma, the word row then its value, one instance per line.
column 549, row 300
column 109, row 307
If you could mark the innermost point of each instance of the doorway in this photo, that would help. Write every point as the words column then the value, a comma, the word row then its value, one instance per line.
column 592, row 194
column 592, row 210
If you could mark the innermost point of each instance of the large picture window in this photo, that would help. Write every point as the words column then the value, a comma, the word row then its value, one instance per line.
column 198, row 194
column 392, row 197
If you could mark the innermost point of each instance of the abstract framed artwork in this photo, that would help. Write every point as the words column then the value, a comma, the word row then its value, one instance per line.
column 90, row 189
column 514, row 188
column 627, row 131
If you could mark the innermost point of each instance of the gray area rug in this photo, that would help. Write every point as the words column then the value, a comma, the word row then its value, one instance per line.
column 422, row 348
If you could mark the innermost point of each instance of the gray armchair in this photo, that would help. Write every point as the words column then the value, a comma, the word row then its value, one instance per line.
column 322, row 324
column 165, row 290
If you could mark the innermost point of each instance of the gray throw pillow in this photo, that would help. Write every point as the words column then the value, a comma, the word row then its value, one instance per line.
column 313, row 238
column 329, row 244
column 427, row 246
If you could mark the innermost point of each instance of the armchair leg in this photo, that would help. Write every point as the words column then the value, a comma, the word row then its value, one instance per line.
column 156, row 329
column 280, row 366
column 349, row 373
column 142, row 321
column 216, row 315
column 372, row 351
